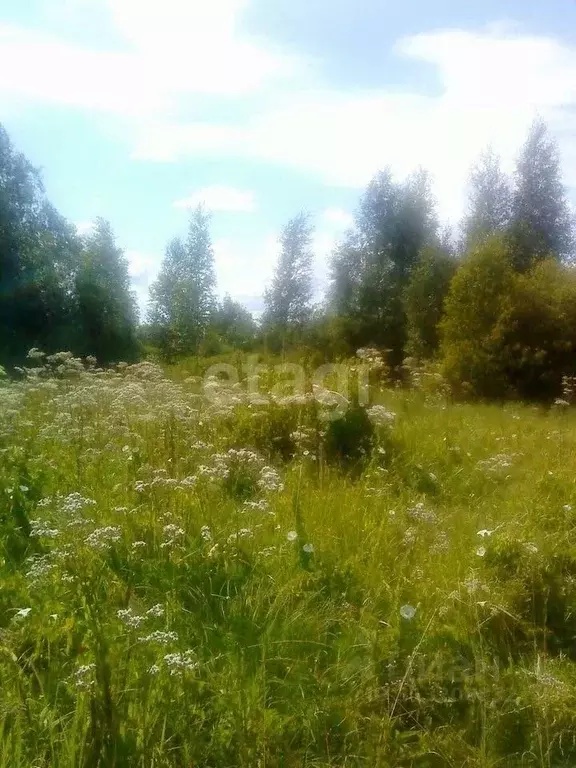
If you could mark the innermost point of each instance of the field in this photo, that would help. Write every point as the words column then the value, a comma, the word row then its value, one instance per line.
column 197, row 576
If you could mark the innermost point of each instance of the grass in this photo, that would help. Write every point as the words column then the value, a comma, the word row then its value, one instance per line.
column 187, row 582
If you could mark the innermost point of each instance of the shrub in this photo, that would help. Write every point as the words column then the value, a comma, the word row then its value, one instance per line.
column 479, row 294
column 506, row 333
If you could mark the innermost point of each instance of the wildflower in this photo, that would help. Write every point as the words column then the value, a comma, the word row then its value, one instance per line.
column 418, row 512
column 103, row 538
column 484, row 533
column 154, row 670
column 260, row 506
column 206, row 533
column 481, row 551
column 291, row 535
column 160, row 637
column 308, row 548
column 180, row 662
column 243, row 533
column 567, row 507
column 83, row 678
column 41, row 529
column 380, row 415
column 531, row 548
column 408, row 612
column 156, row 611
column 270, row 480
column 138, row 545
column 22, row 613
column 129, row 618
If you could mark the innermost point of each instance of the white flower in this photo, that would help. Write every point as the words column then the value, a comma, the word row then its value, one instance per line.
column 206, row 533
column 243, row 533
column 83, row 678
column 291, row 535
column 380, row 415
column 154, row 670
column 484, row 533
column 22, row 613
column 309, row 548
column 407, row 612
column 162, row 638
column 180, row 662
column 157, row 611
column 103, row 538
column 481, row 551
column 128, row 617
column 567, row 507
column 531, row 548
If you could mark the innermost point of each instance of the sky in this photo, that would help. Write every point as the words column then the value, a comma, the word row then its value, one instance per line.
column 137, row 110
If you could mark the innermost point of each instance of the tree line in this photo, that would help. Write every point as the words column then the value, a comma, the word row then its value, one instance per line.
column 493, row 305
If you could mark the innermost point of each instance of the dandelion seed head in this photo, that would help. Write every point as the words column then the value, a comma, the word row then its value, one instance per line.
column 407, row 612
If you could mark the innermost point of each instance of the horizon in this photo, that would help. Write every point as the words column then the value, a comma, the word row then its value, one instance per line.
column 261, row 111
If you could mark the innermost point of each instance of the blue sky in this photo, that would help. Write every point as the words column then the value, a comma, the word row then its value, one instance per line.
column 137, row 109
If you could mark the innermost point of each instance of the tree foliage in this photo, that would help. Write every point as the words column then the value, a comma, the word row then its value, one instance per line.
column 106, row 310
column 371, row 269
column 542, row 222
column 288, row 301
column 182, row 300
column 38, row 259
column 424, row 301
column 490, row 200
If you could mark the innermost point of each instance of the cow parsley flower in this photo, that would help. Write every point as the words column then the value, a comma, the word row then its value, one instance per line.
column 129, row 618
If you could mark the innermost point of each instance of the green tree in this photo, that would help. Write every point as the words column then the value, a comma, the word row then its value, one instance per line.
column 424, row 301
column 542, row 222
column 371, row 269
column 490, row 200
column 234, row 324
column 288, row 301
column 105, row 305
column 182, row 300
column 538, row 331
column 479, row 295
column 38, row 259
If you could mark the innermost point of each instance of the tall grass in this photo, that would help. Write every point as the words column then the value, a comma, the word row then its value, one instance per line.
column 193, row 582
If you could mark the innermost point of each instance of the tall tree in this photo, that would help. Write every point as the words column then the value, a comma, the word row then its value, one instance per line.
column 38, row 259
column 542, row 221
column 371, row 269
column 182, row 299
column 106, row 309
column 489, row 202
column 289, row 298
column 424, row 298
column 234, row 324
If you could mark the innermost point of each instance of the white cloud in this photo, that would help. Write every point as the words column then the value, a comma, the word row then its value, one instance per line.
column 143, row 270
column 84, row 227
column 38, row 68
column 491, row 84
column 338, row 217
column 245, row 269
column 169, row 50
column 220, row 198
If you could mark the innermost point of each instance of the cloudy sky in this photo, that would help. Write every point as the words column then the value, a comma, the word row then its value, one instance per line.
column 137, row 109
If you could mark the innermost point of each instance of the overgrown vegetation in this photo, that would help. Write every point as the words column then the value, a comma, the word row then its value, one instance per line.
column 197, row 573
column 492, row 303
